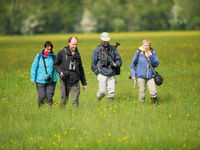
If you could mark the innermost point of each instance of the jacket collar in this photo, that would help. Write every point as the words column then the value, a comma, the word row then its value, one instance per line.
column 68, row 52
column 52, row 53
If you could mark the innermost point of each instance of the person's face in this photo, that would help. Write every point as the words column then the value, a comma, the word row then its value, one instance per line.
column 73, row 44
column 48, row 49
column 146, row 46
column 105, row 43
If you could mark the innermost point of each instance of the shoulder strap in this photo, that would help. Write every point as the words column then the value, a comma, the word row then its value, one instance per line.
column 45, row 65
column 39, row 56
column 150, row 64
column 65, row 51
column 54, row 58
column 138, row 57
column 111, row 49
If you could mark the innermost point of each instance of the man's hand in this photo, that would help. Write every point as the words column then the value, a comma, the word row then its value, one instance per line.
column 33, row 82
column 114, row 64
column 61, row 74
column 84, row 87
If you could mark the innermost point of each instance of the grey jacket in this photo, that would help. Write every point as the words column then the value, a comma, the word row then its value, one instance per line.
column 102, row 60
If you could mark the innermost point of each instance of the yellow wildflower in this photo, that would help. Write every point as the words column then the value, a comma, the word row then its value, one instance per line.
column 76, row 146
column 72, row 128
column 170, row 115
column 125, row 138
column 65, row 132
column 99, row 141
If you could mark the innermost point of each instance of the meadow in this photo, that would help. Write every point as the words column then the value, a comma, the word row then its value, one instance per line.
column 173, row 123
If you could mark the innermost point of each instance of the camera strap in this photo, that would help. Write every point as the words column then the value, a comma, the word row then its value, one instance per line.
column 150, row 65
column 44, row 65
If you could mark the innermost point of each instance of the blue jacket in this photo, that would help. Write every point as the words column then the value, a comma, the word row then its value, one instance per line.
column 38, row 73
column 102, row 64
column 143, row 68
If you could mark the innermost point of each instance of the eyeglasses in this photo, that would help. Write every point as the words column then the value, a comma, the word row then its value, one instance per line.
column 48, row 49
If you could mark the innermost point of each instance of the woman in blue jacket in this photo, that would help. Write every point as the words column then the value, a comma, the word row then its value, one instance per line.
column 43, row 74
column 144, row 74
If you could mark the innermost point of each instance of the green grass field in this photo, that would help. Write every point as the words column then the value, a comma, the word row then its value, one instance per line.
column 174, row 123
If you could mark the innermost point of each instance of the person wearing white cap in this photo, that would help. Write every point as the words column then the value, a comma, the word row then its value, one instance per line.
column 105, row 60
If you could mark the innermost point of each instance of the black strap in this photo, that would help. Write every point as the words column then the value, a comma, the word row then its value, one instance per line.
column 138, row 57
column 44, row 65
column 150, row 64
column 110, row 51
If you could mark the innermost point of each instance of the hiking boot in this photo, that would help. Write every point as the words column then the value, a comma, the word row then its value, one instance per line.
column 110, row 100
column 98, row 100
column 153, row 100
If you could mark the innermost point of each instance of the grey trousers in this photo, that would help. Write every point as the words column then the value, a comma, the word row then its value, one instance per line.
column 66, row 89
column 45, row 91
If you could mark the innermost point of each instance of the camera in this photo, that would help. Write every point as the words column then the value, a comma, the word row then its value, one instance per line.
column 49, row 78
column 65, row 75
column 117, row 44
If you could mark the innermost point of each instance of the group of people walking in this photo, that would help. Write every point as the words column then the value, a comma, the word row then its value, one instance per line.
column 105, row 62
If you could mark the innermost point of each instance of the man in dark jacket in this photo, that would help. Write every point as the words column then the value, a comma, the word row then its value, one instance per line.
column 105, row 59
column 69, row 65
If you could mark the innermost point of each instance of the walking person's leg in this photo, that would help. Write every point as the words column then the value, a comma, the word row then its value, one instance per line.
column 141, row 88
column 152, row 90
column 50, row 90
column 64, row 93
column 75, row 92
column 102, row 81
column 111, row 88
column 41, row 90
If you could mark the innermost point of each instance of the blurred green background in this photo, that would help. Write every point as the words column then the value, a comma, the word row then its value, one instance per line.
column 84, row 16
column 125, row 124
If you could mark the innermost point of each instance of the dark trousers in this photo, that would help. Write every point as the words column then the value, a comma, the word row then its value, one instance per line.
column 45, row 91
column 66, row 89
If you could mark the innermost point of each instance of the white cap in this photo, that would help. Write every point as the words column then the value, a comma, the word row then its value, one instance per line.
column 105, row 36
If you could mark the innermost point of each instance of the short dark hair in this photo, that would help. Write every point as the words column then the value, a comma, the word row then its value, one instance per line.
column 69, row 40
column 48, row 43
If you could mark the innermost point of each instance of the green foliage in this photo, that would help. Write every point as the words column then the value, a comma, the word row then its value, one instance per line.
column 190, row 12
column 67, row 16
column 174, row 123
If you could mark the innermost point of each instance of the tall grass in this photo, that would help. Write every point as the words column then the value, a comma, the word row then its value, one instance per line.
column 174, row 123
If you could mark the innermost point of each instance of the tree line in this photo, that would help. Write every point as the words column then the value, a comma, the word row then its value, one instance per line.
column 68, row 16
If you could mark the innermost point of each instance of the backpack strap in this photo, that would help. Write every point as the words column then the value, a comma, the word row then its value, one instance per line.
column 138, row 57
column 54, row 58
column 65, row 50
column 39, row 57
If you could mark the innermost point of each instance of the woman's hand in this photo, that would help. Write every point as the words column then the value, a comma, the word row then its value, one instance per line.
column 133, row 78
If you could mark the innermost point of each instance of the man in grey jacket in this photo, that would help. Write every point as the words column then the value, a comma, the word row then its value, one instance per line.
column 105, row 60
